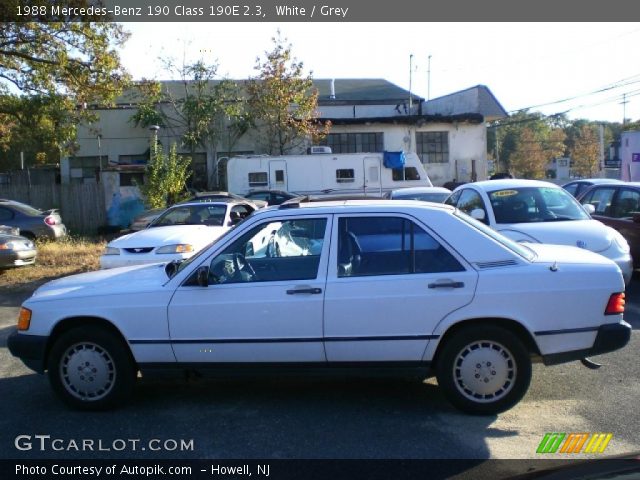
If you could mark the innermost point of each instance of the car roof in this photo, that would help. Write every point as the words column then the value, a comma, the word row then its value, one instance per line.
column 217, row 201
column 360, row 206
column 410, row 190
column 594, row 181
column 493, row 185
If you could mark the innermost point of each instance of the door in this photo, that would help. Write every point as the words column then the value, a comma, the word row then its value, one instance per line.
column 389, row 284
column 372, row 184
column 278, row 175
column 264, row 300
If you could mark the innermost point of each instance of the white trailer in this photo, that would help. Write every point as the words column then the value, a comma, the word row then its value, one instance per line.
column 370, row 174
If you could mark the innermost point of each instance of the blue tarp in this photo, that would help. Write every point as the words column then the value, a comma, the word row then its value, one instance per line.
column 394, row 159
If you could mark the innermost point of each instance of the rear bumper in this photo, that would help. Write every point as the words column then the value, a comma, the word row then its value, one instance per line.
column 30, row 349
column 609, row 338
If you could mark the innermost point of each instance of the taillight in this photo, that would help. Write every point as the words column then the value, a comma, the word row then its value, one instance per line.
column 50, row 220
column 615, row 305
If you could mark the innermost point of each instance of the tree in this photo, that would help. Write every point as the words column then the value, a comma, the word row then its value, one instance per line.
column 204, row 110
column 165, row 177
column 527, row 141
column 59, row 69
column 282, row 102
column 585, row 152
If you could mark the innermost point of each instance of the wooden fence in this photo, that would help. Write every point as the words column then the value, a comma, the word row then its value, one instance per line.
column 82, row 206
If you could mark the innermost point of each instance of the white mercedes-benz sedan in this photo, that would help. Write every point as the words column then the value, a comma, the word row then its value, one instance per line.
column 176, row 234
column 360, row 286
column 541, row 212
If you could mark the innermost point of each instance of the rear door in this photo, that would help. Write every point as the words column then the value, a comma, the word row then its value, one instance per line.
column 390, row 282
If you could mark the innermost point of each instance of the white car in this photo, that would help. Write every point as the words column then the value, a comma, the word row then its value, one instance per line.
column 175, row 235
column 403, row 286
column 426, row 194
column 541, row 212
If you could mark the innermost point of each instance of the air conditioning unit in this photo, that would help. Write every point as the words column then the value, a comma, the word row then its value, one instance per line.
column 318, row 149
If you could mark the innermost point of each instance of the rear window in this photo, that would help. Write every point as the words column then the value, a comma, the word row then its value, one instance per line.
column 26, row 209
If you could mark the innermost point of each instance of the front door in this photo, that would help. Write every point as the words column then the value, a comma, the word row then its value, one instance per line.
column 264, row 300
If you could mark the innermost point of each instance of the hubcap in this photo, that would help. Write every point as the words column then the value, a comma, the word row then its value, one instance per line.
column 87, row 371
column 484, row 371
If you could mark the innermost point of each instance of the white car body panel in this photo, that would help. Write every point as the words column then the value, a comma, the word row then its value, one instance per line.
column 164, row 322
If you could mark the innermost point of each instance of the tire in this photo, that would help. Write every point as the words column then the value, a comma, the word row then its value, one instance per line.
column 90, row 368
column 484, row 370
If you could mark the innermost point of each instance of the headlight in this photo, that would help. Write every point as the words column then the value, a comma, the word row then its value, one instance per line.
column 179, row 248
column 111, row 251
column 16, row 246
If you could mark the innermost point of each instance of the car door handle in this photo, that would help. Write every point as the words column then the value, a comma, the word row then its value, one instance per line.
column 313, row 291
column 446, row 285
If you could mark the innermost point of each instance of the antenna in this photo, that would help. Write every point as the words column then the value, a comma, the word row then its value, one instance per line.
column 410, row 77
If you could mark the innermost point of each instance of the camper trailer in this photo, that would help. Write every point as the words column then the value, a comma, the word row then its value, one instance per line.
column 321, row 172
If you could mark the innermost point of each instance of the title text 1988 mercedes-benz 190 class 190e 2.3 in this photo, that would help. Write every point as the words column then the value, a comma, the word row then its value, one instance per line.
column 356, row 285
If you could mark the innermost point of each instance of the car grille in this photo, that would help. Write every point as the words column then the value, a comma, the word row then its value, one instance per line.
column 138, row 250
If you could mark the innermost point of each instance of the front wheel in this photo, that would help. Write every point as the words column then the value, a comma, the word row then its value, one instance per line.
column 484, row 370
column 91, row 369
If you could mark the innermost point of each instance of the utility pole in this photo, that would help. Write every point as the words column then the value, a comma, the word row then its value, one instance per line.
column 624, row 108
column 601, row 148
column 410, row 77
column 429, row 78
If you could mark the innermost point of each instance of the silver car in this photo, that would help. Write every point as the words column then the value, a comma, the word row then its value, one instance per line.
column 33, row 223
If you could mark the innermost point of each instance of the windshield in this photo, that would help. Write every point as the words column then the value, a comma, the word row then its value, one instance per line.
column 436, row 197
column 515, row 247
column 535, row 204
column 211, row 215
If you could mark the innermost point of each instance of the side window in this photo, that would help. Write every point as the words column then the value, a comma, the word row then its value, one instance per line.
column 626, row 203
column 259, row 196
column 572, row 188
column 453, row 198
column 471, row 200
column 389, row 246
column 345, row 175
column 258, row 179
column 5, row 214
column 601, row 199
column 272, row 251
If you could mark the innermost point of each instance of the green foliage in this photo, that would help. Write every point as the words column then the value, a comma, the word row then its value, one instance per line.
column 282, row 102
column 59, row 68
column 165, row 177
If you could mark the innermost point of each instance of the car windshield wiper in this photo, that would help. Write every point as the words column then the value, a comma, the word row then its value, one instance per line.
column 558, row 219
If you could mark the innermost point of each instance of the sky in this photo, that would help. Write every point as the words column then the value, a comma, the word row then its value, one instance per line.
column 523, row 64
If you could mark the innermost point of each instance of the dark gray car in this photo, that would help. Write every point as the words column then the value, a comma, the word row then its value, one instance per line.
column 32, row 222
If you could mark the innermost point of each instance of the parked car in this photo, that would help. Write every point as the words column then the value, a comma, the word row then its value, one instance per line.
column 540, row 212
column 426, row 194
column 32, row 222
column 272, row 197
column 176, row 234
column 617, row 205
column 143, row 220
column 577, row 187
column 403, row 286
column 16, row 251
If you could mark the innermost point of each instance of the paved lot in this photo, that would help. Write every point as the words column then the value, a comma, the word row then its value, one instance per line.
column 323, row 418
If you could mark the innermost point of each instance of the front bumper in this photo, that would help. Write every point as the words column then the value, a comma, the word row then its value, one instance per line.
column 609, row 338
column 17, row 258
column 31, row 349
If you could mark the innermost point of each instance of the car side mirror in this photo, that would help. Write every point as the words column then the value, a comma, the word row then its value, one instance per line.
column 202, row 276
column 589, row 208
column 478, row 214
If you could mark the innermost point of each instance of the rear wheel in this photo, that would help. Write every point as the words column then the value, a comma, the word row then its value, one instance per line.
column 91, row 369
column 484, row 370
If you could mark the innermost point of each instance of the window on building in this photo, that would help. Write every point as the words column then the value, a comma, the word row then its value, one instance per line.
column 136, row 159
column 131, row 179
column 84, row 169
column 407, row 173
column 258, row 179
column 279, row 176
column 345, row 175
column 198, row 179
column 433, row 147
column 354, row 142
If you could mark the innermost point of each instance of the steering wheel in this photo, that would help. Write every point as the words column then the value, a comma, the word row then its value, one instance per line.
column 241, row 265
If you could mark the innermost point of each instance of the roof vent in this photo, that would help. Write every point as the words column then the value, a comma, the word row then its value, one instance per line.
column 318, row 149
